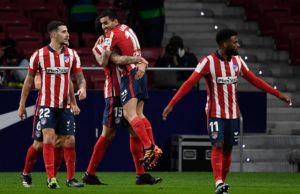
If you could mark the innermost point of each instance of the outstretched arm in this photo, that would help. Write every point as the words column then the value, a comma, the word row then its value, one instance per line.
column 28, row 82
column 183, row 90
column 264, row 86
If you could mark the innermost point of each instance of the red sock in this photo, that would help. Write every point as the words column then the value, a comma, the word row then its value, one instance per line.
column 70, row 158
column 139, row 128
column 98, row 153
column 30, row 160
column 58, row 156
column 136, row 149
column 48, row 155
column 226, row 164
column 216, row 162
column 148, row 128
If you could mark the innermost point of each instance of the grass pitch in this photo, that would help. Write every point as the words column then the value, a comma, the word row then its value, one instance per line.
column 173, row 183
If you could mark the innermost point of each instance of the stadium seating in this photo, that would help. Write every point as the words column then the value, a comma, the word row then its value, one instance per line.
column 151, row 54
column 27, row 40
column 269, row 14
column 89, row 39
column 17, row 26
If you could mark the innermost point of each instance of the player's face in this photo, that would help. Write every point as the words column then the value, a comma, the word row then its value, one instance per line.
column 62, row 35
column 108, row 24
column 232, row 46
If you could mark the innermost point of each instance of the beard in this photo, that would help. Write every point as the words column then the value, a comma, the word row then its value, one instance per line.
column 231, row 52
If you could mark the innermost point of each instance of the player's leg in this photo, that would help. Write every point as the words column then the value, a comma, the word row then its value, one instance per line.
column 216, row 129
column 66, row 128
column 32, row 152
column 112, row 116
column 99, row 150
column 130, row 90
column 30, row 161
column 148, row 126
column 136, row 149
column 58, row 152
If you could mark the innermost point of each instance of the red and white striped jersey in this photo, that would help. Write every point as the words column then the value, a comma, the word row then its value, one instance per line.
column 221, row 78
column 112, row 76
column 55, row 69
column 125, row 39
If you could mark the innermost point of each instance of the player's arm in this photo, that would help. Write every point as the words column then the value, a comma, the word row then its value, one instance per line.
column 261, row 84
column 28, row 82
column 73, row 102
column 37, row 81
column 201, row 69
column 81, row 83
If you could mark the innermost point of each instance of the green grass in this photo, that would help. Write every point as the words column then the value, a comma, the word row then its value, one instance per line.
column 173, row 183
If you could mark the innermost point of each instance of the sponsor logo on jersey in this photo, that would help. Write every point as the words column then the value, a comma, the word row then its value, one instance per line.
column 57, row 70
column 227, row 80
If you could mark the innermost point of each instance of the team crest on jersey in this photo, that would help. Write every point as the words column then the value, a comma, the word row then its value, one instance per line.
column 107, row 42
column 66, row 59
column 235, row 67
column 117, row 120
column 43, row 121
column 214, row 135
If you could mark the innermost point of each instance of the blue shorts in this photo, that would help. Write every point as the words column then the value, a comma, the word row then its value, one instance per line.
column 113, row 113
column 62, row 120
column 132, row 88
column 225, row 131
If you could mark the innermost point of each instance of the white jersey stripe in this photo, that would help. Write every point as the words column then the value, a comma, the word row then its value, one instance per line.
column 42, row 64
column 52, row 80
column 62, row 82
column 225, row 90
column 213, row 74
column 200, row 66
column 32, row 59
column 232, row 73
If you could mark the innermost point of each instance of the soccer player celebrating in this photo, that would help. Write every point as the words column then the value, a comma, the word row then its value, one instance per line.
column 55, row 62
column 113, row 118
column 221, row 70
column 133, row 81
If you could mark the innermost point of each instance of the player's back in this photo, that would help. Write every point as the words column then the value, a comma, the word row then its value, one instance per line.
column 123, row 38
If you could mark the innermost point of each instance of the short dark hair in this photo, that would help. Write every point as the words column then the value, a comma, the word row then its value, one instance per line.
column 98, row 26
column 224, row 34
column 110, row 13
column 177, row 41
column 53, row 25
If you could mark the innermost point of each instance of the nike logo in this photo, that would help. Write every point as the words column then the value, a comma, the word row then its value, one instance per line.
column 10, row 118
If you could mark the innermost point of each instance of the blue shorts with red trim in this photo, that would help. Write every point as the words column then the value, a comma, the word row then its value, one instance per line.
column 225, row 131
column 132, row 88
column 113, row 113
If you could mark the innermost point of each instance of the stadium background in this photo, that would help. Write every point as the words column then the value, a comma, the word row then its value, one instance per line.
column 269, row 35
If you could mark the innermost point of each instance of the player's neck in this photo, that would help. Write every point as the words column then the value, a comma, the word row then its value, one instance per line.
column 56, row 46
column 222, row 54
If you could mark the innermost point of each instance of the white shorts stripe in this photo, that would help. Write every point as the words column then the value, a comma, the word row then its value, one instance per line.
column 225, row 91
column 213, row 74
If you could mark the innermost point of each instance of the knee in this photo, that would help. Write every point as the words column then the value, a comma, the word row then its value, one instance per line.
column 70, row 141
column 38, row 146
column 108, row 133
column 59, row 141
column 49, row 136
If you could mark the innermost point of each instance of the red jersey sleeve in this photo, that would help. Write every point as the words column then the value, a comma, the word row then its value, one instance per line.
column 201, row 70
column 110, row 41
column 76, row 66
column 34, row 63
column 256, row 81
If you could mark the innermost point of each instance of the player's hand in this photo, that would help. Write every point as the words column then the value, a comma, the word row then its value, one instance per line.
column 141, row 69
column 81, row 93
column 22, row 113
column 285, row 98
column 166, row 112
column 75, row 109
